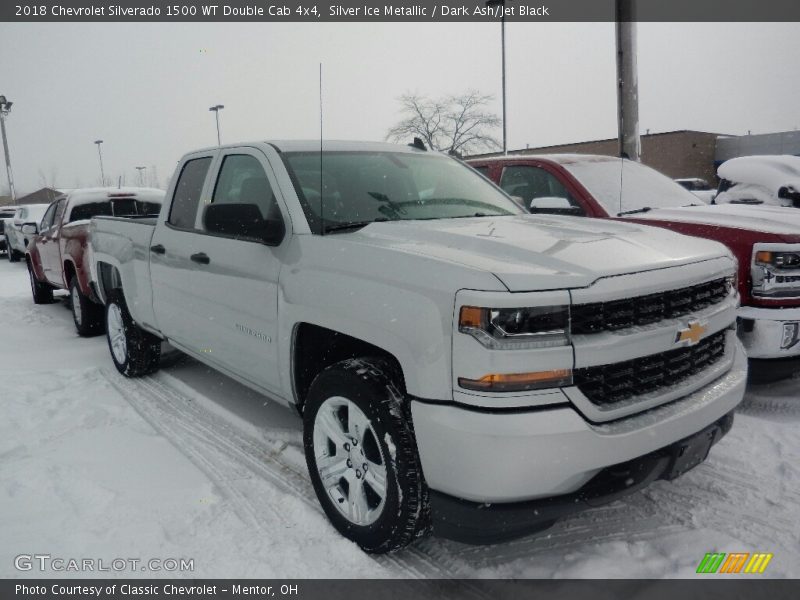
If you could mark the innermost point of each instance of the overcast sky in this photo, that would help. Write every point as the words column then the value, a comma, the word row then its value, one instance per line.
column 145, row 89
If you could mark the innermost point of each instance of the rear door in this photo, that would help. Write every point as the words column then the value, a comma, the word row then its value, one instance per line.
column 234, row 282
column 178, row 313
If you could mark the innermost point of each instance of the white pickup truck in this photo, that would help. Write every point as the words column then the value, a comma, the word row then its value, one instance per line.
column 460, row 366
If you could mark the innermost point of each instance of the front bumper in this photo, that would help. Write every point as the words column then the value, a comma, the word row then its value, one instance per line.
column 765, row 331
column 517, row 455
column 480, row 523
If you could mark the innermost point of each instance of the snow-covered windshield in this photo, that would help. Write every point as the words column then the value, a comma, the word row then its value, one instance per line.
column 362, row 187
column 623, row 185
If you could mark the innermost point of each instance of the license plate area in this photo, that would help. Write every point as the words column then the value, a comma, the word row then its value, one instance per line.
column 690, row 452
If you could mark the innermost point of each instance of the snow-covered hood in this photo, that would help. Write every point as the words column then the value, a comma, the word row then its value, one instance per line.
column 768, row 219
column 532, row 252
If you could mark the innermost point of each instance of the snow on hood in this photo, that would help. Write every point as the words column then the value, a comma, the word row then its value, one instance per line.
column 532, row 252
column 778, row 220
column 759, row 178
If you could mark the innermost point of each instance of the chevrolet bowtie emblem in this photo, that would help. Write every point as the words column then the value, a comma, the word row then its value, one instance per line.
column 692, row 334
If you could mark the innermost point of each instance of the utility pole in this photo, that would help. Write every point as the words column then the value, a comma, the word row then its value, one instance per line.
column 215, row 110
column 141, row 175
column 5, row 106
column 630, row 145
column 100, row 154
column 502, row 6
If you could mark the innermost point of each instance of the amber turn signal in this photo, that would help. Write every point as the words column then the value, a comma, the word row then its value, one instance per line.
column 516, row 382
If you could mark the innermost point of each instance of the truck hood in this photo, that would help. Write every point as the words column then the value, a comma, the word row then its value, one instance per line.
column 767, row 219
column 531, row 252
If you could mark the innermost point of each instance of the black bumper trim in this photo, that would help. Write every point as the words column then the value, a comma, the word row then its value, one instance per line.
column 483, row 523
column 767, row 370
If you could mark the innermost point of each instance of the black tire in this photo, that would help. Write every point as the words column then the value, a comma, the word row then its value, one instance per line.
column 142, row 350
column 13, row 255
column 371, row 384
column 86, row 314
column 42, row 292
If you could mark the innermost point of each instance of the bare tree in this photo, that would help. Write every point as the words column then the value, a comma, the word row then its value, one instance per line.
column 458, row 124
column 49, row 180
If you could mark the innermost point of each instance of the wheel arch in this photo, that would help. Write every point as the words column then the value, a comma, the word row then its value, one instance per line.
column 315, row 348
column 109, row 280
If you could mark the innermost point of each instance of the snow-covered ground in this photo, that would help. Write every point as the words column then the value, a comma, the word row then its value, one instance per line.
column 189, row 464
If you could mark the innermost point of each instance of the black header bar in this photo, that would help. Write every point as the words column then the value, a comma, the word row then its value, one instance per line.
column 364, row 11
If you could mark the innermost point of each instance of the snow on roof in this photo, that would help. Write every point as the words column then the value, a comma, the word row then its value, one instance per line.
column 327, row 146
column 99, row 194
column 564, row 159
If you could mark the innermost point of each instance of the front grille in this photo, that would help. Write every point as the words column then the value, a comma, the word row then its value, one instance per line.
column 608, row 384
column 643, row 310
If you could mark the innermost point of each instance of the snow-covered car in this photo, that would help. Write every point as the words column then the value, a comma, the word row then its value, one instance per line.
column 6, row 212
column 770, row 180
column 57, row 255
column 16, row 241
column 459, row 364
column 699, row 187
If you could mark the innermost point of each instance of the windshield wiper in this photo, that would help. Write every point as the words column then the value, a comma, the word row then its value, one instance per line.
column 390, row 205
column 644, row 209
column 352, row 225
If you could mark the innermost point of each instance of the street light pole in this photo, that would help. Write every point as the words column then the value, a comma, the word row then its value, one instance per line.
column 100, row 154
column 5, row 106
column 215, row 110
column 502, row 5
column 141, row 175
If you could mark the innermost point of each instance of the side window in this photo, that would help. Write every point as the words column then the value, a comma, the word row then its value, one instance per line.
column 59, row 211
column 533, row 182
column 47, row 219
column 242, row 181
column 22, row 215
column 187, row 193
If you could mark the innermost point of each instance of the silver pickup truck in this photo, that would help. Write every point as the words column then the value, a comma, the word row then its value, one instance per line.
column 459, row 365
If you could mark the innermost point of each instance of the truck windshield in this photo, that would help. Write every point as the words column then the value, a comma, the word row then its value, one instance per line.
column 622, row 186
column 363, row 187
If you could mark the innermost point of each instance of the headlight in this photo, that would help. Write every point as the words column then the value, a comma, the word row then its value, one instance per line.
column 776, row 273
column 516, row 328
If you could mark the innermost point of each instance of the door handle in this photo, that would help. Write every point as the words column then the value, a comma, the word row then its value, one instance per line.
column 200, row 257
column 158, row 249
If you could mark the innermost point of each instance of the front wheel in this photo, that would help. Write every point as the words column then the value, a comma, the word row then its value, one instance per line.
column 362, row 455
column 134, row 351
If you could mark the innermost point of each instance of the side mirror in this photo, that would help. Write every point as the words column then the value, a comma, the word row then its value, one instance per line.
column 30, row 229
column 554, row 205
column 788, row 192
column 243, row 221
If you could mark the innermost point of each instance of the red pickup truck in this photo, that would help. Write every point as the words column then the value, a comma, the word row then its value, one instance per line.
column 57, row 254
column 765, row 240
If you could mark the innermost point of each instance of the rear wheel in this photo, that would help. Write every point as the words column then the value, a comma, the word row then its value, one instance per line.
column 42, row 293
column 87, row 315
column 362, row 455
column 134, row 351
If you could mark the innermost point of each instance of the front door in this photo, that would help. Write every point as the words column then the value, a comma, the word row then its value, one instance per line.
column 49, row 252
column 233, row 283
